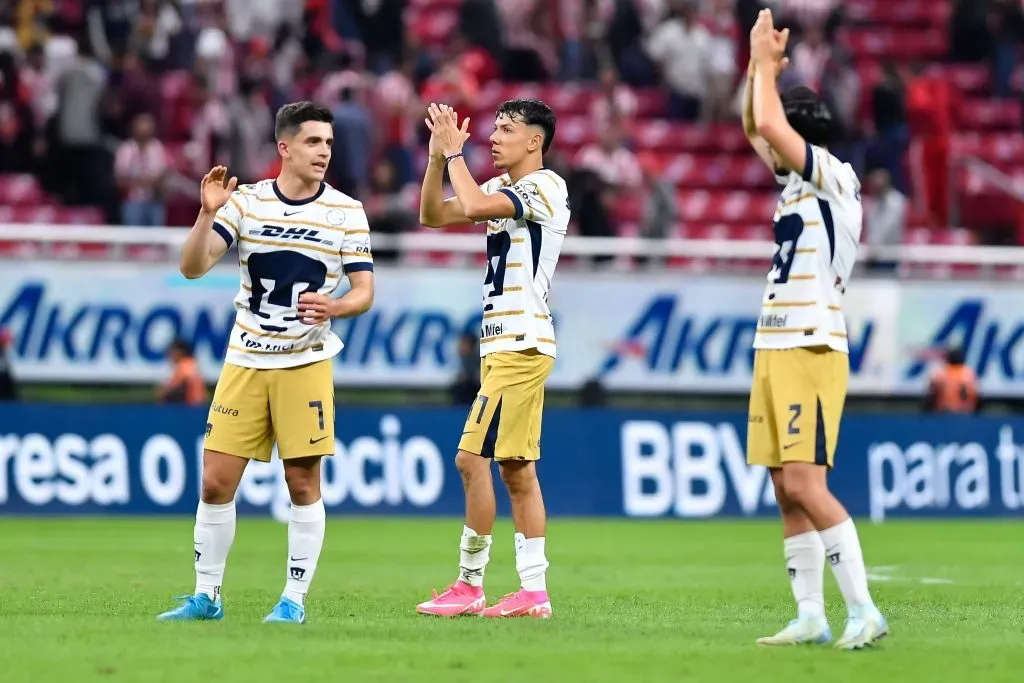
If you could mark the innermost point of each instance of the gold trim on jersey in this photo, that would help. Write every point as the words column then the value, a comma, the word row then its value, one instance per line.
column 359, row 254
column 802, row 277
column 362, row 231
column 841, row 335
column 802, row 197
column 339, row 206
column 541, row 316
column 291, row 245
column 784, row 330
column 241, row 211
column 788, row 304
column 554, row 176
column 812, row 224
column 275, row 335
column 227, row 221
column 807, row 250
column 545, row 340
column 518, row 240
column 499, row 336
column 834, row 308
column 498, row 314
column 514, row 264
column 543, row 198
column 515, row 288
column 246, row 287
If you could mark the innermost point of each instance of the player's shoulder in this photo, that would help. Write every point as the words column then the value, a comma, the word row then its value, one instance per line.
column 333, row 198
column 497, row 182
column 262, row 190
column 546, row 178
column 833, row 165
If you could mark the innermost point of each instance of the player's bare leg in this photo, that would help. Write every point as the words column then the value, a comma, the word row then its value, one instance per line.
column 213, row 536
column 306, row 525
column 529, row 517
column 466, row 595
column 807, row 486
column 805, row 562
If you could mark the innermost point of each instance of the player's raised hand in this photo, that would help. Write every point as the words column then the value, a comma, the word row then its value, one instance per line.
column 443, row 125
column 216, row 189
column 766, row 43
column 314, row 308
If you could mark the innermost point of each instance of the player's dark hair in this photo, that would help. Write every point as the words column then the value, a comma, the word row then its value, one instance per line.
column 181, row 346
column 290, row 117
column 810, row 116
column 532, row 113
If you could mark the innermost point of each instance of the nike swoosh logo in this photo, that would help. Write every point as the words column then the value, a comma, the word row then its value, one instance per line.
column 299, row 559
column 293, row 212
column 506, row 613
column 789, row 445
column 313, row 441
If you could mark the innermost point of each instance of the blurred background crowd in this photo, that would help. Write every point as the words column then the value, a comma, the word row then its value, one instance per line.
column 111, row 110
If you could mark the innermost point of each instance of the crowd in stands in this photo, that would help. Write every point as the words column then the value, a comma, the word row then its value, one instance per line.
column 124, row 104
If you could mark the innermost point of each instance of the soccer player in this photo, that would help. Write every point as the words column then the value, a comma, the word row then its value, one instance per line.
column 297, row 237
column 526, row 211
column 801, row 361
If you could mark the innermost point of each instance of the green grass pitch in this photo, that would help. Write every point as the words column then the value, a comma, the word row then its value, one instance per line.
column 633, row 601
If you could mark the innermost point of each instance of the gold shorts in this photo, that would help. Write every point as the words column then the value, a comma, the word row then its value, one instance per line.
column 504, row 420
column 253, row 408
column 796, row 404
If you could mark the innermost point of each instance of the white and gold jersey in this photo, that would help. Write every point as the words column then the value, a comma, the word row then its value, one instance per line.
column 287, row 248
column 522, row 253
column 817, row 229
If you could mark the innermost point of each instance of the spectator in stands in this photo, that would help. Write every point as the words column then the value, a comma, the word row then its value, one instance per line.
column 185, row 384
column 389, row 207
column 250, row 132
column 954, row 387
column 970, row 38
column 8, row 385
column 79, row 156
column 16, row 118
column 110, row 26
column 930, row 109
column 885, row 217
column 810, row 57
column 397, row 110
column 681, row 48
column 1006, row 22
column 892, row 134
column 611, row 160
column 661, row 209
column 719, row 20
column 381, row 30
column 616, row 102
column 140, row 168
column 353, row 138
column 529, row 28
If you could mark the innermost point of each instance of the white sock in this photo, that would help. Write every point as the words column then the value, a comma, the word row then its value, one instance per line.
column 474, row 553
column 805, row 560
column 531, row 563
column 842, row 548
column 305, row 539
column 212, row 537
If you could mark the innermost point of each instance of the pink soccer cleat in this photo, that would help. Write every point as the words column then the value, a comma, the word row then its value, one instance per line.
column 523, row 603
column 457, row 600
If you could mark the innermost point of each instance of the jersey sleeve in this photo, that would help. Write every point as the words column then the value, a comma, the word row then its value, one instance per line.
column 355, row 245
column 228, row 221
column 829, row 175
column 537, row 197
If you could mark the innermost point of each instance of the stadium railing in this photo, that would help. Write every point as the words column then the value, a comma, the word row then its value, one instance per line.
column 71, row 241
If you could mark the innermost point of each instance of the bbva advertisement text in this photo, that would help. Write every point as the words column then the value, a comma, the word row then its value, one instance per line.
column 147, row 460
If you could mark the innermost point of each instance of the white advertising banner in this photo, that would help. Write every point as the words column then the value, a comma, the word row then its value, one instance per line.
column 658, row 332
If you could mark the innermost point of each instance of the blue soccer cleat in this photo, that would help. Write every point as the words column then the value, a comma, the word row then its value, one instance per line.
column 864, row 627
column 195, row 608
column 286, row 612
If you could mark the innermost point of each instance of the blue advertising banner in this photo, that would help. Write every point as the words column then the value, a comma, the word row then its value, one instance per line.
column 148, row 460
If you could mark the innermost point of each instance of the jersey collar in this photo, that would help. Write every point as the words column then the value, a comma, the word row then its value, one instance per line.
column 299, row 202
